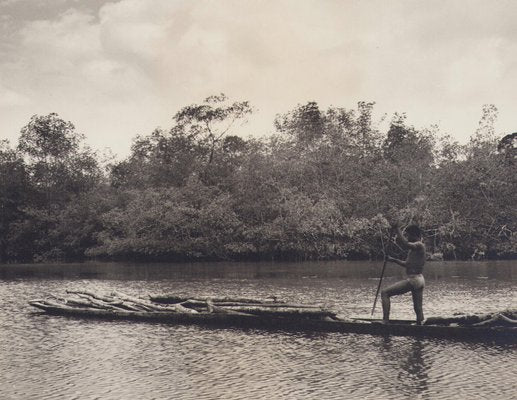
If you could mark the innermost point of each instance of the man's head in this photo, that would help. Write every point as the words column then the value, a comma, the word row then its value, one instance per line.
column 413, row 233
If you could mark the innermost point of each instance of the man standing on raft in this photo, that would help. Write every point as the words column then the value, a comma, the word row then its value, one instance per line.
column 414, row 265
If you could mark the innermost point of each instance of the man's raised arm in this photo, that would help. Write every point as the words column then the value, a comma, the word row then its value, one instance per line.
column 404, row 241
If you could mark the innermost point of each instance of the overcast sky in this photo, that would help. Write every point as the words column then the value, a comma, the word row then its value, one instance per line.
column 121, row 68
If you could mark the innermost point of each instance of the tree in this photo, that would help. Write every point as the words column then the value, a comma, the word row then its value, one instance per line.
column 14, row 193
column 508, row 146
column 161, row 159
column 198, row 143
column 60, row 169
column 191, row 222
column 484, row 140
column 210, row 121
column 473, row 195
column 306, row 123
column 58, row 165
column 320, row 188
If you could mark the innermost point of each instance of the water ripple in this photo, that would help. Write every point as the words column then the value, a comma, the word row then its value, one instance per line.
column 45, row 357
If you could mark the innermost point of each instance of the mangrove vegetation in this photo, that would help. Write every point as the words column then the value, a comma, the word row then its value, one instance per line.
column 321, row 187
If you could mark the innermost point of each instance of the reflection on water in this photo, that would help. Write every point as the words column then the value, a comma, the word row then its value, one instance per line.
column 47, row 357
column 494, row 270
column 413, row 367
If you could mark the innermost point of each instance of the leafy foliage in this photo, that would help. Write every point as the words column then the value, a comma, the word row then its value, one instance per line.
column 323, row 187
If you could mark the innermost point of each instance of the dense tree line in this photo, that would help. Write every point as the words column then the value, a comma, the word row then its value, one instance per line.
column 322, row 187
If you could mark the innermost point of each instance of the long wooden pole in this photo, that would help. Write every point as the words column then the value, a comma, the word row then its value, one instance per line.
column 382, row 272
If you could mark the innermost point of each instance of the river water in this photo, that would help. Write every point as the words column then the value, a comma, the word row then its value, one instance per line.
column 51, row 357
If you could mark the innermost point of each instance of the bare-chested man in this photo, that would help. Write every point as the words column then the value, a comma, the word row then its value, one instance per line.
column 414, row 265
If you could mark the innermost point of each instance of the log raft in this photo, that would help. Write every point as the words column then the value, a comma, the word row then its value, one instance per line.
column 265, row 314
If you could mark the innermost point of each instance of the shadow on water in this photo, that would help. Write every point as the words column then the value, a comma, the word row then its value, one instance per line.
column 412, row 364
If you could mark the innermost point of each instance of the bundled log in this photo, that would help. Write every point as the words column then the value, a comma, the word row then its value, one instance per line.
column 106, row 302
column 199, row 303
column 120, row 302
column 173, row 299
column 115, row 301
column 499, row 319
column 271, row 306
column 503, row 318
column 281, row 311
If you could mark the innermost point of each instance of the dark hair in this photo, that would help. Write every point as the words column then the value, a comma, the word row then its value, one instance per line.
column 414, row 230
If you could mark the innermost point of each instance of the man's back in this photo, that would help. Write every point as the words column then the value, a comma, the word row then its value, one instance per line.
column 415, row 259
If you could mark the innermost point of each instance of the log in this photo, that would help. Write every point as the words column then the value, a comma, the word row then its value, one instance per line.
column 112, row 305
column 109, row 303
column 96, row 296
column 283, row 311
column 463, row 320
column 125, row 302
column 117, row 300
column 91, row 301
column 56, row 304
column 80, row 303
column 221, row 310
column 500, row 317
column 504, row 317
column 88, row 311
column 154, row 307
column 172, row 299
column 76, row 302
column 202, row 303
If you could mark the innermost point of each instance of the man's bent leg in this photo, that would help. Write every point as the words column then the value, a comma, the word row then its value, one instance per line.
column 418, row 296
column 393, row 290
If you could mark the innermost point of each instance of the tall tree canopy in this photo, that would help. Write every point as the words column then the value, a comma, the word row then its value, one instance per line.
column 321, row 187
